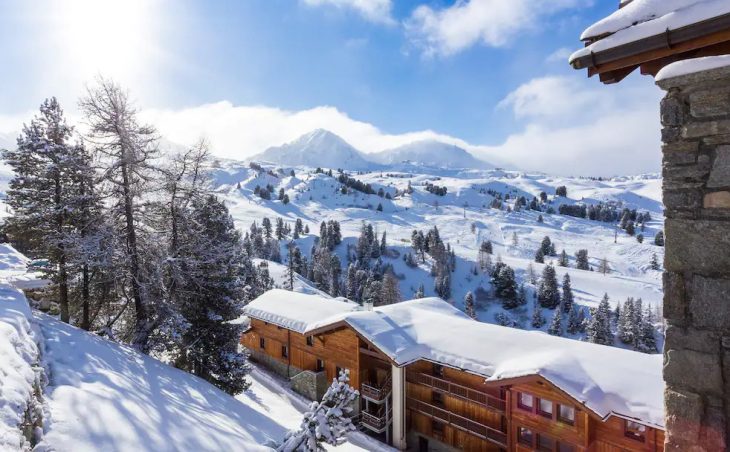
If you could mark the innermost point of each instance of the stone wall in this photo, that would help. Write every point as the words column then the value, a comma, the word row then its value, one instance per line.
column 274, row 364
column 695, row 115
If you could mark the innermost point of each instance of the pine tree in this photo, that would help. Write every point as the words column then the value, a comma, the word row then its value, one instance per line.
column 515, row 240
column 581, row 260
column 505, row 287
column 563, row 260
column 659, row 238
column 469, row 305
column 556, row 325
column 625, row 323
column 547, row 247
column 326, row 422
column 573, row 321
column 567, row 299
column 548, row 294
column 219, row 279
column 538, row 320
column 389, row 291
column 604, row 267
column 531, row 275
column 598, row 330
column 654, row 263
column 44, row 193
column 539, row 256
column 647, row 338
column 291, row 267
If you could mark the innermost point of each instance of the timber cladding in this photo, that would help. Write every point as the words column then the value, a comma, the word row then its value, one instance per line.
column 334, row 349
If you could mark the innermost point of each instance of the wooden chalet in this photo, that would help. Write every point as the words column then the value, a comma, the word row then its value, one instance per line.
column 431, row 378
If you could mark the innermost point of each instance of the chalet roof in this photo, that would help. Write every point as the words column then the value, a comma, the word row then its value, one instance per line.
column 297, row 311
column 650, row 25
column 607, row 380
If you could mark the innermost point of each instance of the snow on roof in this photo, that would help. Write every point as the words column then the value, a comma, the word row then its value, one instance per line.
column 608, row 380
column 691, row 66
column 297, row 311
column 644, row 18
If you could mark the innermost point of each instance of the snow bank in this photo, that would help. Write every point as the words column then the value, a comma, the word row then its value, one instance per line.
column 104, row 396
column 19, row 356
column 297, row 311
column 642, row 19
column 692, row 66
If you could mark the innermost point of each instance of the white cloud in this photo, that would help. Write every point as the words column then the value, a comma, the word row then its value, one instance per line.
column 561, row 55
column 378, row 11
column 576, row 126
column 492, row 23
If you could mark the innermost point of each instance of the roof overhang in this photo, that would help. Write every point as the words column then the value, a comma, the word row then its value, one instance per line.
column 706, row 38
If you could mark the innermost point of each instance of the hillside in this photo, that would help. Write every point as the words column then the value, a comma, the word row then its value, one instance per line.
column 465, row 219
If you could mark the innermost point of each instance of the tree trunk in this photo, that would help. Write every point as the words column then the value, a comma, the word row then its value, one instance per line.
column 62, row 272
column 85, row 320
column 141, row 333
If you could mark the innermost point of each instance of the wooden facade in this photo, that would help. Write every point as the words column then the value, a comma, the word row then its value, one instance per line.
column 452, row 408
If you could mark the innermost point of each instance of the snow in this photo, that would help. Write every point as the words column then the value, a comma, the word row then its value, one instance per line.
column 19, row 357
column 608, row 380
column 644, row 18
column 297, row 311
column 428, row 153
column 692, row 66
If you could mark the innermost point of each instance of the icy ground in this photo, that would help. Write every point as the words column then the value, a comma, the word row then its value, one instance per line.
column 317, row 197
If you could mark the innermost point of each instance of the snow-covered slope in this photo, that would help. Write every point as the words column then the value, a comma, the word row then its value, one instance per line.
column 429, row 153
column 317, row 148
column 7, row 140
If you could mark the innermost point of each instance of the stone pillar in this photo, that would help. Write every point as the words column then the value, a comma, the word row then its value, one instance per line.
column 695, row 116
column 399, row 407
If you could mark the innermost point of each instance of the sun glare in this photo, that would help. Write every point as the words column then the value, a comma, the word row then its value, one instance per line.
column 110, row 37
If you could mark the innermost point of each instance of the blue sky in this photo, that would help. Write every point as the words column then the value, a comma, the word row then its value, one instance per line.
column 491, row 75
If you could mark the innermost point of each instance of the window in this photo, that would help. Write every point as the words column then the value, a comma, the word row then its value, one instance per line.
column 634, row 430
column 524, row 436
column 566, row 414
column 438, row 370
column 562, row 447
column 545, row 408
column 320, row 365
column 310, row 341
column 545, row 443
column 524, row 401
column 437, row 398
column 262, row 343
column 284, row 351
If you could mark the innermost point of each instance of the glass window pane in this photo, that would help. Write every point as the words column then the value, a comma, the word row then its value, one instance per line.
column 524, row 435
column 525, row 400
column 565, row 448
column 567, row 413
column 544, row 443
column 546, row 406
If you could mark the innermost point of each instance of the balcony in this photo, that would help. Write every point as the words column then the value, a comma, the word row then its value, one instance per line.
column 377, row 422
column 374, row 393
column 459, row 422
column 459, row 391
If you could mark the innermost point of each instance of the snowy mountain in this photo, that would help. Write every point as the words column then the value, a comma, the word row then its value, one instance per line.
column 7, row 140
column 317, row 148
column 431, row 154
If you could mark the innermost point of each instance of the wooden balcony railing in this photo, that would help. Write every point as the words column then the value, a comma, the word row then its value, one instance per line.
column 373, row 393
column 377, row 422
column 457, row 390
column 454, row 420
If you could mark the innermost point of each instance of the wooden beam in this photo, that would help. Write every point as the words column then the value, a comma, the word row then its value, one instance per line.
column 617, row 75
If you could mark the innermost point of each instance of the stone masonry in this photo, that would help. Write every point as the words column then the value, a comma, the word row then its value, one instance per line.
column 695, row 115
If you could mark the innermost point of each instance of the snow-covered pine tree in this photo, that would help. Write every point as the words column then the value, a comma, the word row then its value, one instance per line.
column 604, row 267
column 548, row 294
column 563, row 260
column 547, row 247
column 291, row 266
column 659, row 238
column 389, row 290
column 531, row 275
column 43, row 193
column 219, row 276
column 625, row 328
column 654, row 263
column 647, row 340
column 505, row 287
column 515, row 240
column 538, row 320
column 598, row 330
column 567, row 298
column 581, row 260
column 469, row 305
column 574, row 322
column 539, row 256
column 325, row 422
column 556, row 325
column 126, row 150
